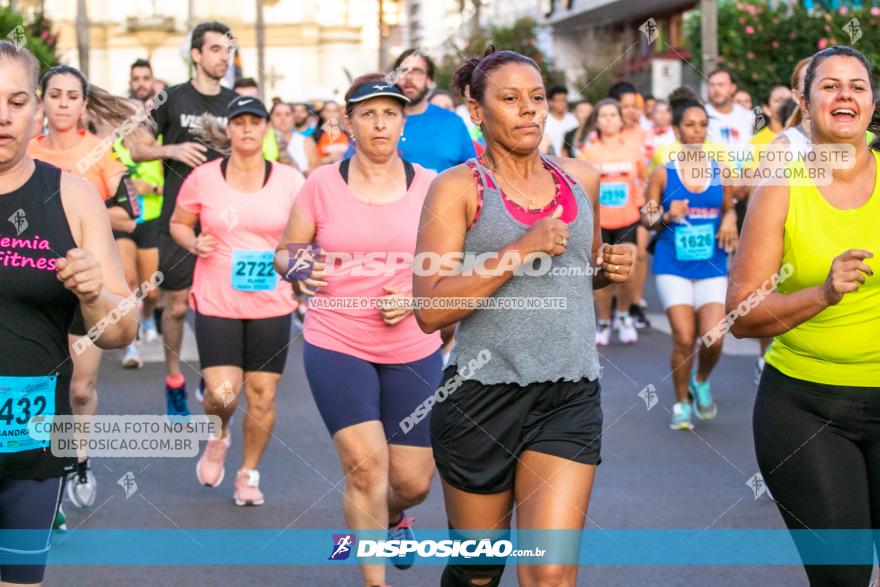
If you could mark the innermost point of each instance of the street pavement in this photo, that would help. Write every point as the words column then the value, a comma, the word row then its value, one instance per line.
column 651, row 477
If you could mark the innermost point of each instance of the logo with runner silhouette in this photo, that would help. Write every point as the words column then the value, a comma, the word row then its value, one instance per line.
column 19, row 37
column 342, row 547
column 301, row 260
column 128, row 484
column 19, row 221
column 760, row 119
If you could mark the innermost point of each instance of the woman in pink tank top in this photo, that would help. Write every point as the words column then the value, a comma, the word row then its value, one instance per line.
column 371, row 370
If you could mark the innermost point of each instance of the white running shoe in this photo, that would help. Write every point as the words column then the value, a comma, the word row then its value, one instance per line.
column 132, row 358
column 681, row 416
column 603, row 334
column 626, row 331
column 82, row 486
column 150, row 335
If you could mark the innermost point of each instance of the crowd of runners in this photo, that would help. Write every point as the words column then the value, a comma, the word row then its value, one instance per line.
column 266, row 221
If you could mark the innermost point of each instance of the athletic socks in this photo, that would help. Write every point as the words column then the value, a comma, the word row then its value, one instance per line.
column 175, row 381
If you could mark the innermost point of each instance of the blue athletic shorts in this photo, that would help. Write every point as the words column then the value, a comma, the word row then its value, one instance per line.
column 349, row 391
column 27, row 504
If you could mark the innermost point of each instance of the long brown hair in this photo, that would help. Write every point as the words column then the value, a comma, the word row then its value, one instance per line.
column 592, row 121
column 797, row 116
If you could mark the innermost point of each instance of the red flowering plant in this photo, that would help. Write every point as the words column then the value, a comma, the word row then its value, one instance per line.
column 762, row 41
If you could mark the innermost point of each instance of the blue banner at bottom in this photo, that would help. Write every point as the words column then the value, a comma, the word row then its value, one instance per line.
column 200, row 546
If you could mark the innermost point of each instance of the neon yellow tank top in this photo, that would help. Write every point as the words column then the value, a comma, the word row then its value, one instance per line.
column 270, row 146
column 841, row 344
column 148, row 171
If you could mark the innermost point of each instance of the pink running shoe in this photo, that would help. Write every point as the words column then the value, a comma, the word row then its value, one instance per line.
column 247, row 488
column 210, row 470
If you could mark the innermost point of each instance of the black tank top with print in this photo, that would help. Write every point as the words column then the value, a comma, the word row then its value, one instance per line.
column 35, row 314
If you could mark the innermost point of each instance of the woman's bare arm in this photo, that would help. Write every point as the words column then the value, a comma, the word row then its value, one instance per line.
column 757, row 259
column 101, row 286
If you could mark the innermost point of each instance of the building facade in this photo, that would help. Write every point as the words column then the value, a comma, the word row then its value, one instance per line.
column 593, row 42
column 312, row 47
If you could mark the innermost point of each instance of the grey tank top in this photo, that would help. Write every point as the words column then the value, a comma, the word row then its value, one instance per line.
column 536, row 344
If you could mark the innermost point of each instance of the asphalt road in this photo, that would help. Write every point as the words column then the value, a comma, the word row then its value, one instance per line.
column 651, row 477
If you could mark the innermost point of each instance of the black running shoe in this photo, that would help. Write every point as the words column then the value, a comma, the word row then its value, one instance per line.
column 157, row 316
column 638, row 316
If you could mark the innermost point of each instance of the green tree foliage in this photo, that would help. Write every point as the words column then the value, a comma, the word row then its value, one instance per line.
column 38, row 35
column 762, row 41
column 522, row 37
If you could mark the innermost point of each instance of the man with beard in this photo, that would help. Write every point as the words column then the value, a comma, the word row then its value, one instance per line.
column 433, row 137
column 140, row 81
column 302, row 120
column 175, row 118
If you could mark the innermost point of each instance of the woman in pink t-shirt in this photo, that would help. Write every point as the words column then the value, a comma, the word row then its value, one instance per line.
column 371, row 369
column 242, row 309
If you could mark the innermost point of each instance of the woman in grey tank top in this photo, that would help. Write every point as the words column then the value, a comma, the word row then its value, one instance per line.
column 517, row 421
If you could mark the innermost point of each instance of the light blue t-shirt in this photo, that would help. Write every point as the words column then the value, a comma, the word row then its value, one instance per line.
column 436, row 139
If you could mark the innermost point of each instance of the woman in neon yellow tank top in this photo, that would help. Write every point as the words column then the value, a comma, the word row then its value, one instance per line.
column 817, row 409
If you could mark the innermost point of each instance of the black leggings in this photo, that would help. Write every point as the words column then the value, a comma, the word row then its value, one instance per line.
column 818, row 449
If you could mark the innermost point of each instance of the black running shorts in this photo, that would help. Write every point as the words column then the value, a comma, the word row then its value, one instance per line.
column 175, row 263
column 625, row 234
column 479, row 431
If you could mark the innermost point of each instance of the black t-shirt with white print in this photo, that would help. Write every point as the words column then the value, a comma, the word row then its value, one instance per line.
column 174, row 119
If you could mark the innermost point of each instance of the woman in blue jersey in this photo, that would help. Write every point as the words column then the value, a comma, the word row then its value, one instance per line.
column 697, row 224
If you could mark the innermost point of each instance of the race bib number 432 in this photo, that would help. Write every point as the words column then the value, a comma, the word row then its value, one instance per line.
column 21, row 400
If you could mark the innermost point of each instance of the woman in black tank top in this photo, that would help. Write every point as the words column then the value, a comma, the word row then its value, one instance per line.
column 56, row 253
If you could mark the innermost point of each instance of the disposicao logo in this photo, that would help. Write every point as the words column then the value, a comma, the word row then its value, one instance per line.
column 301, row 259
column 342, row 547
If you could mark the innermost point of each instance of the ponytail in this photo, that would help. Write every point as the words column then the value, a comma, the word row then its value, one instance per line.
column 106, row 109
column 796, row 118
column 680, row 101
column 211, row 131
column 471, row 78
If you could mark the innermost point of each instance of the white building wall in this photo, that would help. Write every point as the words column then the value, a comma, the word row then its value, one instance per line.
column 309, row 67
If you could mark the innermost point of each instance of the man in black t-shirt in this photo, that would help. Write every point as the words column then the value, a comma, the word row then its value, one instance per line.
column 175, row 115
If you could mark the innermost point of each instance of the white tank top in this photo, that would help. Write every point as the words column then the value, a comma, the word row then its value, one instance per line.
column 297, row 151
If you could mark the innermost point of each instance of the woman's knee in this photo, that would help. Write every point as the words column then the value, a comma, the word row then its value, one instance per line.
column 548, row 575
column 683, row 342
column 82, row 391
column 261, row 397
column 412, row 489
column 176, row 306
column 366, row 474
column 221, row 397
